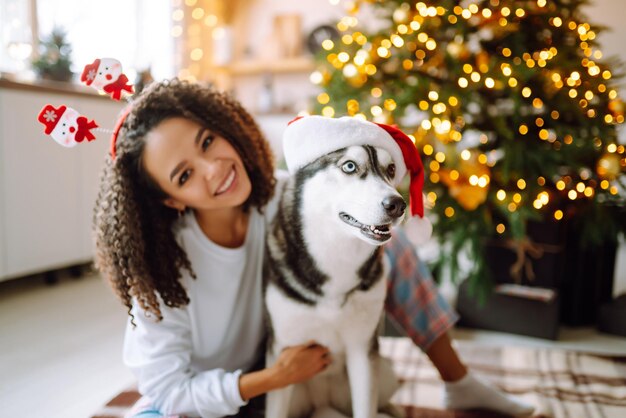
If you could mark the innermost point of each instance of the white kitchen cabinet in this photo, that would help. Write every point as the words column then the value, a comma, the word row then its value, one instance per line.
column 47, row 192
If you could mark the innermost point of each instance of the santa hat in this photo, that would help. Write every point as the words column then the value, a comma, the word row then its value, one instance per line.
column 310, row 137
column 50, row 116
column 90, row 71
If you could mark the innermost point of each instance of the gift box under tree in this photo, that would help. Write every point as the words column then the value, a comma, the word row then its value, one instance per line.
column 552, row 257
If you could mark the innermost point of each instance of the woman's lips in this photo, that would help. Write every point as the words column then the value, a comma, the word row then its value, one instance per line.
column 228, row 182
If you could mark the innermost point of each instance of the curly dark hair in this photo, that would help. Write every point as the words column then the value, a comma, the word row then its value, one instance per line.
column 136, row 249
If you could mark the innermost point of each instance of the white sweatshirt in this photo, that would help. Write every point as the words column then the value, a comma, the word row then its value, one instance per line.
column 190, row 362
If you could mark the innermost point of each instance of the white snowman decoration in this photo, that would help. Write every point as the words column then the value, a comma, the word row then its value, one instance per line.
column 65, row 125
column 106, row 74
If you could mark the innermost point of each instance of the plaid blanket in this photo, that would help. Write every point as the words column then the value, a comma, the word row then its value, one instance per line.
column 559, row 383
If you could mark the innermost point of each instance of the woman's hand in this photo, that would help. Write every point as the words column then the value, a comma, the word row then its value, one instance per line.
column 300, row 363
column 294, row 365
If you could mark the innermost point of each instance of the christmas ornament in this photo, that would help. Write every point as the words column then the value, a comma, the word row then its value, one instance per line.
column 616, row 107
column 318, row 35
column 482, row 61
column 65, row 125
column 106, row 74
column 353, row 107
column 608, row 166
column 357, row 80
column 468, row 195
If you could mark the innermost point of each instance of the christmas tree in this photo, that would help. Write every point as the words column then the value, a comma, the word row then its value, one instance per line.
column 511, row 104
column 54, row 59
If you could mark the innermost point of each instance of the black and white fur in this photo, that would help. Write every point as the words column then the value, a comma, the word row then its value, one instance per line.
column 325, row 280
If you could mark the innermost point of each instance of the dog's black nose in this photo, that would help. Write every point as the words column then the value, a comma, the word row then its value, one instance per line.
column 394, row 206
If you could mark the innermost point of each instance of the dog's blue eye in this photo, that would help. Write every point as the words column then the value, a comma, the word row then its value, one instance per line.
column 348, row 167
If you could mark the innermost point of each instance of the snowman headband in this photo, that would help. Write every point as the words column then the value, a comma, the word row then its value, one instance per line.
column 68, row 127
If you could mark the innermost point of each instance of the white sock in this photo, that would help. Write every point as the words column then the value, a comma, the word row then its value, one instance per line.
column 473, row 392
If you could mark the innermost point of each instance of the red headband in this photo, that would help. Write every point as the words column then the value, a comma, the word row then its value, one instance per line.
column 117, row 128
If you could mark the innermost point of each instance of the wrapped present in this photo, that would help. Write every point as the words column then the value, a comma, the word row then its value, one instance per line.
column 552, row 257
column 523, row 310
column 612, row 316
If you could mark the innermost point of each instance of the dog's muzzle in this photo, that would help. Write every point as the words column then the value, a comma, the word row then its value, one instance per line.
column 394, row 206
column 380, row 233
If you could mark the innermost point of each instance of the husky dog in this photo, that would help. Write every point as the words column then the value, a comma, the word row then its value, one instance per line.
column 325, row 279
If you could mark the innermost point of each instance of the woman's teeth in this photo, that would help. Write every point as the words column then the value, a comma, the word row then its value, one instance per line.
column 227, row 183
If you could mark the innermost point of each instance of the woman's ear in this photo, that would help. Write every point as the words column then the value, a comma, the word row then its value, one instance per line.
column 174, row 204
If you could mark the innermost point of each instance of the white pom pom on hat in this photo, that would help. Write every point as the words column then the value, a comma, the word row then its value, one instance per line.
column 308, row 138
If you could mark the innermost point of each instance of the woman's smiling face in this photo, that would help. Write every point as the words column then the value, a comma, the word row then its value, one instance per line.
column 195, row 167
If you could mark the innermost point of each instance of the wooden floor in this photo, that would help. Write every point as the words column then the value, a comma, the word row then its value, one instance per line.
column 61, row 347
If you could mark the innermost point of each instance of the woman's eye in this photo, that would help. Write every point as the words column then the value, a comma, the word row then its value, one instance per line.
column 349, row 167
column 207, row 141
column 391, row 170
column 184, row 177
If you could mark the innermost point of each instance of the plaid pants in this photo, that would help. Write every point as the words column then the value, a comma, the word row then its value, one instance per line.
column 413, row 302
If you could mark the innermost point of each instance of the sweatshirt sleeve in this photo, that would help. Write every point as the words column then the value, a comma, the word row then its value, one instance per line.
column 159, row 354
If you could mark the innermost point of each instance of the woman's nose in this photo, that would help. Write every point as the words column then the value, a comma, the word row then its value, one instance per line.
column 210, row 169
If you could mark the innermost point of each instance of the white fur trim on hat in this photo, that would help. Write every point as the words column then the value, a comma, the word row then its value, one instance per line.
column 308, row 138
